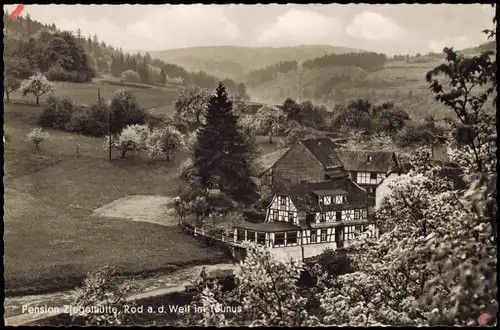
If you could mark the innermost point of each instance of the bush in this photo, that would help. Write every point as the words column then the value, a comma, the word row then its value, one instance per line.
column 220, row 204
column 57, row 114
column 254, row 215
column 93, row 121
column 125, row 111
column 335, row 263
column 130, row 76
column 58, row 73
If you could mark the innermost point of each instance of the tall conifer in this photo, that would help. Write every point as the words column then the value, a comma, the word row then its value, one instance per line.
column 222, row 154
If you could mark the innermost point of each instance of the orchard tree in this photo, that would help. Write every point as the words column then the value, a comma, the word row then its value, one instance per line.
column 240, row 104
column 129, row 140
column 10, row 84
column 37, row 136
column 191, row 105
column 164, row 141
column 37, row 85
column 271, row 120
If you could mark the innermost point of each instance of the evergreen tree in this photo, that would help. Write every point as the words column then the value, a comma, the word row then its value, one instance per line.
column 222, row 153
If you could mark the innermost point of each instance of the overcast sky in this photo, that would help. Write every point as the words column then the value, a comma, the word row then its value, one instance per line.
column 384, row 28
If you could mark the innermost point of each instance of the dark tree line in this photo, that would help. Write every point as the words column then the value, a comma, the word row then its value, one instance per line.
column 30, row 46
column 268, row 73
column 367, row 61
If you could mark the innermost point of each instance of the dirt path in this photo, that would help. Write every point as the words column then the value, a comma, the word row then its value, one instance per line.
column 150, row 287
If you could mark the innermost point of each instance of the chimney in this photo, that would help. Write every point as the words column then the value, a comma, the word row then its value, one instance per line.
column 369, row 158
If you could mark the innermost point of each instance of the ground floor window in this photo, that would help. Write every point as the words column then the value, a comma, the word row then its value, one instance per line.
column 291, row 237
column 250, row 236
column 314, row 237
column 240, row 235
column 349, row 233
column 279, row 239
column 261, row 238
column 323, row 235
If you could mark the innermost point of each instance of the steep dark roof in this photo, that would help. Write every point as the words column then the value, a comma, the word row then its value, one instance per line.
column 305, row 199
column 381, row 161
column 324, row 151
column 268, row 160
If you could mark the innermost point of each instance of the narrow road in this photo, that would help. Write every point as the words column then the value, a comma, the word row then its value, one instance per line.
column 146, row 288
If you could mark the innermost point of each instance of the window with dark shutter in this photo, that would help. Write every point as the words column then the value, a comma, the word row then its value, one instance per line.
column 290, row 217
column 322, row 217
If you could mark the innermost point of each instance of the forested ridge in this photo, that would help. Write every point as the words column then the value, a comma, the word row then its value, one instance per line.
column 30, row 46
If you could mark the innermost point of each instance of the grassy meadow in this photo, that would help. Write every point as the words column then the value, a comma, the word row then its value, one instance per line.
column 51, row 240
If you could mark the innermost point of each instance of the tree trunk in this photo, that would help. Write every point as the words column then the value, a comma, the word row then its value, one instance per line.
column 270, row 138
column 8, row 98
column 123, row 153
column 168, row 158
column 37, row 100
column 37, row 147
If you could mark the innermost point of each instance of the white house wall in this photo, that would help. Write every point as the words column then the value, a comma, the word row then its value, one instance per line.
column 383, row 188
column 364, row 178
column 278, row 212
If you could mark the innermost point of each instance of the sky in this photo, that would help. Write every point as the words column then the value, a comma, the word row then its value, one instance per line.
column 392, row 29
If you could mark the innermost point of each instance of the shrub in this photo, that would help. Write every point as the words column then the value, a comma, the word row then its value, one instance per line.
column 125, row 111
column 37, row 136
column 130, row 76
column 335, row 263
column 101, row 289
column 57, row 114
column 57, row 73
column 220, row 203
column 93, row 121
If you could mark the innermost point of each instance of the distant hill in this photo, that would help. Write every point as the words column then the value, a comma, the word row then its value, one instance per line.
column 235, row 61
column 31, row 46
column 491, row 45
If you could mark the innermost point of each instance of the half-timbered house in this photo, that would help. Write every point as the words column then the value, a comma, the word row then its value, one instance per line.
column 367, row 168
column 320, row 159
column 307, row 218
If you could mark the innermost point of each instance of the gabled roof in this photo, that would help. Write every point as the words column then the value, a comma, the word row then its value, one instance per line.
column 304, row 197
column 376, row 161
column 323, row 149
column 268, row 160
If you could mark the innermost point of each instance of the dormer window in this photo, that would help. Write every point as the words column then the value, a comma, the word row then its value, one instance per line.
column 341, row 199
column 327, row 200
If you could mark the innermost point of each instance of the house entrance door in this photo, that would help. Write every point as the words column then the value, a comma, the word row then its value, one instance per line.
column 339, row 237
